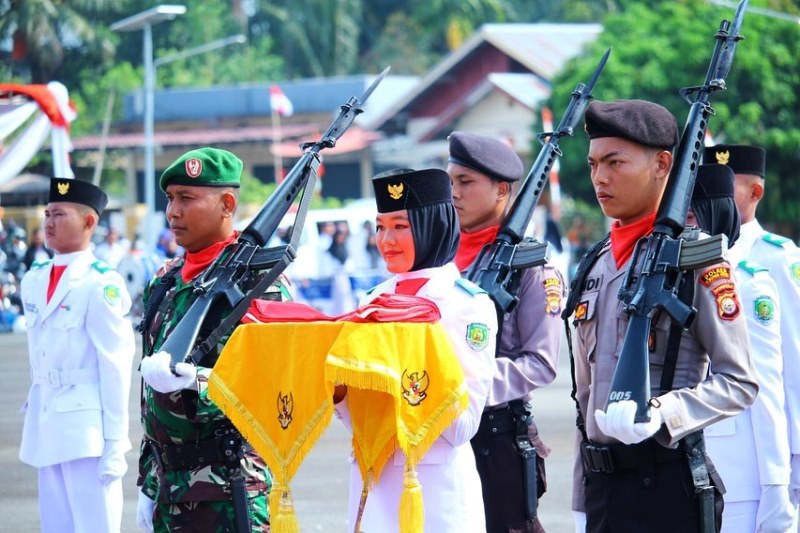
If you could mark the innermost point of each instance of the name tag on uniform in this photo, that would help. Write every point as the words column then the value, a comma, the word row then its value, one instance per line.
column 587, row 304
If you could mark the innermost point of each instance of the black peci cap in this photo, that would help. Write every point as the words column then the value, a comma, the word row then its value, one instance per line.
column 486, row 155
column 713, row 181
column 78, row 192
column 741, row 158
column 638, row 121
column 404, row 188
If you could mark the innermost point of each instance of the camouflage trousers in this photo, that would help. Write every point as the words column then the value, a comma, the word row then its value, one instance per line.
column 209, row 517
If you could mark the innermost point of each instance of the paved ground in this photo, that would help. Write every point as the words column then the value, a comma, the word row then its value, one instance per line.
column 320, row 486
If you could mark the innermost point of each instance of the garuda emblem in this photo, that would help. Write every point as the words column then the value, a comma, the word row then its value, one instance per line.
column 63, row 187
column 723, row 157
column 414, row 386
column 395, row 191
column 285, row 408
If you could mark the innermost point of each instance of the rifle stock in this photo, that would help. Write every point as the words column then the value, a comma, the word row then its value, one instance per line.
column 224, row 285
column 667, row 255
column 496, row 263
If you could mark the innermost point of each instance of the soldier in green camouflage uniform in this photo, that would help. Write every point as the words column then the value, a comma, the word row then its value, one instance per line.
column 182, row 465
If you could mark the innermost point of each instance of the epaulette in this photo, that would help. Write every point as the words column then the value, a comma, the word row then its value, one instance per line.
column 470, row 287
column 101, row 266
column 166, row 266
column 40, row 264
column 752, row 267
column 775, row 240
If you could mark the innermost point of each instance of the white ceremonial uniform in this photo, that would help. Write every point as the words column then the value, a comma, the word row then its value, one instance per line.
column 451, row 487
column 782, row 257
column 81, row 348
column 751, row 449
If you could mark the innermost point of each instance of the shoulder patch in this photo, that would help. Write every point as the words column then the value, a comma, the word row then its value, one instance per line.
column 719, row 281
column 101, row 266
column 752, row 267
column 40, row 264
column 794, row 271
column 111, row 294
column 477, row 336
column 775, row 240
column 764, row 309
column 469, row 287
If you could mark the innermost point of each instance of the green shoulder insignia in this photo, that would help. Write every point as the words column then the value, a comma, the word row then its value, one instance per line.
column 775, row 240
column 752, row 267
column 40, row 264
column 470, row 287
column 101, row 267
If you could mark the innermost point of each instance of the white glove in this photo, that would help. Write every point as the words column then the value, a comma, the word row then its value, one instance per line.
column 794, row 481
column 144, row 512
column 580, row 521
column 112, row 464
column 156, row 373
column 775, row 511
column 617, row 422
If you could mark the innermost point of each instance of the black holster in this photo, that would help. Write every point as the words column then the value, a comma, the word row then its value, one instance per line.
column 695, row 448
column 527, row 453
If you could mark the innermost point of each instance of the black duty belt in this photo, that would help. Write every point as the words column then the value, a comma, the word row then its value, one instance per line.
column 609, row 458
column 193, row 455
column 497, row 421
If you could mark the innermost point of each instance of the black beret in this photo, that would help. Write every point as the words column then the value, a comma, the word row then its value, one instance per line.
column 77, row 192
column 486, row 155
column 404, row 188
column 741, row 158
column 713, row 181
column 637, row 121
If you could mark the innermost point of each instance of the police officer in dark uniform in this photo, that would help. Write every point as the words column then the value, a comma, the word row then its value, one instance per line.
column 634, row 477
column 508, row 451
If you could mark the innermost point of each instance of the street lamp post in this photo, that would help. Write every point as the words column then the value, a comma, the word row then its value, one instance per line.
column 144, row 21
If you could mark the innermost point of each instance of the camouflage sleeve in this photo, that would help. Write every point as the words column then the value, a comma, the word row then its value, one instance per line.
column 147, row 479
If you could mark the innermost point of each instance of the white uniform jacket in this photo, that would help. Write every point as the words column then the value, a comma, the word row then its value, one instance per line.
column 451, row 488
column 81, row 349
column 751, row 449
column 782, row 257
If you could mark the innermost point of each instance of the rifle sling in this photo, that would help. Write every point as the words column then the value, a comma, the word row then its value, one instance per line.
column 575, row 288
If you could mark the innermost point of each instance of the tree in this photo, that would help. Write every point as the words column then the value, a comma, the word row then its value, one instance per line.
column 659, row 49
column 42, row 32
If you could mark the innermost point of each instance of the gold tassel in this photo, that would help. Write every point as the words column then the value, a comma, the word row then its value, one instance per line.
column 412, row 508
column 281, row 510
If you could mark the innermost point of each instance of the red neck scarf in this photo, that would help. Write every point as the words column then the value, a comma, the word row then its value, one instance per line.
column 198, row 261
column 55, row 277
column 624, row 238
column 471, row 243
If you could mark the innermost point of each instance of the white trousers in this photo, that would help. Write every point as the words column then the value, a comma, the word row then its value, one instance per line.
column 739, row 517
column 72, row 499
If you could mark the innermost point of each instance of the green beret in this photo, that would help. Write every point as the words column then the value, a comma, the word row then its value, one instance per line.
column 404, row 188
column 204, row 167
column 638, row 121
column 488, row 156
column 741, row 158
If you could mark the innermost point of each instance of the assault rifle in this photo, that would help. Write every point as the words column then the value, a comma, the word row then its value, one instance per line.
column 496, row 263
column 223, row 286
column 668, row 257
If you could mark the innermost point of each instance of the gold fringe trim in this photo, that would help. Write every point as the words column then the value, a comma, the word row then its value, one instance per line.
column 283, row 468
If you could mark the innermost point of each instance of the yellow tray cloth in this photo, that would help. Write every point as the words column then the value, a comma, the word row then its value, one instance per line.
column 275, row 382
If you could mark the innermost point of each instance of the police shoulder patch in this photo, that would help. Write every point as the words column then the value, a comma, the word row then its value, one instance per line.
column 111, row 294
column 752, row 267
column 468, row 286
column 764, row 309
column 775, row 240
column 477, row 336
column 101, row 266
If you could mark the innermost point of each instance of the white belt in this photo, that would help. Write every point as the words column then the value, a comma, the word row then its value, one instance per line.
column 62, row 378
